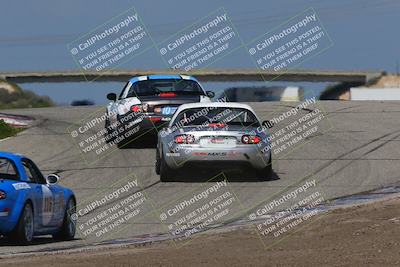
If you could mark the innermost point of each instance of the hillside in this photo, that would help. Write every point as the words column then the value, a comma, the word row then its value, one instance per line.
column 12, row 96
column 387, row 81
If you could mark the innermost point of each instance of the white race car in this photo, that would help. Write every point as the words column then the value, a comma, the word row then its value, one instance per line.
column 147, row 103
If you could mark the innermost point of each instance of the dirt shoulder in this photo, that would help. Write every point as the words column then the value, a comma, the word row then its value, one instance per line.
column 367, row 235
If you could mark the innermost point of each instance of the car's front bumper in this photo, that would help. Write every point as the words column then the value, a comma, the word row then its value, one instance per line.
column 241, row 155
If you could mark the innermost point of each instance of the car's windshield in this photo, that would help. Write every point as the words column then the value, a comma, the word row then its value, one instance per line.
column 212, row 115
column 156, row 87
column 7, row 170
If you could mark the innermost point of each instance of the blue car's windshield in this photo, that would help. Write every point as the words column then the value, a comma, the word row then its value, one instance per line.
column 7, row 170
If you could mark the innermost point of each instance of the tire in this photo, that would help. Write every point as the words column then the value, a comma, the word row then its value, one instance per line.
column 23, row 233
column 265, row 174
column 158, row 163
column 166, row 173
column 68, row 228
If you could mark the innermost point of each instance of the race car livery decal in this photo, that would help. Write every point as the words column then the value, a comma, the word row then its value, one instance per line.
column 48, row 205
column 20, row 186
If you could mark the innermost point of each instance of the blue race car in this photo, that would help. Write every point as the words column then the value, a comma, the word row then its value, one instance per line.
column 31, row 204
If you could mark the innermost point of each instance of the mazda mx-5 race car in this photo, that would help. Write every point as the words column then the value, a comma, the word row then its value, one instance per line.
column 217, row 135
column 147, row 103
column 31, row 204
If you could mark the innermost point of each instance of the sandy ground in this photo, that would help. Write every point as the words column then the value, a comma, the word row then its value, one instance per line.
column 366, row 235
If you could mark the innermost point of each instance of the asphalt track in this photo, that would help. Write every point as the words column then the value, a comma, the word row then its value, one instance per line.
column 357, row 148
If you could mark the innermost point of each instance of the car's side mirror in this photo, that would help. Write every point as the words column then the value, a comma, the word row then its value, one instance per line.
column 210, row 94
column 268, row 124
column 112, row 96
column 52, row 178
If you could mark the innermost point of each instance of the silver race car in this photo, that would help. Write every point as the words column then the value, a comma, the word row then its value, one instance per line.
column 217, row 135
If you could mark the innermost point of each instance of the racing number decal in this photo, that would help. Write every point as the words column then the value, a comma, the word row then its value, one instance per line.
column 47, row 205
column 167, row 110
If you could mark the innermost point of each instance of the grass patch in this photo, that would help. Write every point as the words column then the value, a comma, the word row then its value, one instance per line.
column 7, row 131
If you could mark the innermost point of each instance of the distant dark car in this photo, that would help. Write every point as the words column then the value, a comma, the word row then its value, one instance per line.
column 84, row 102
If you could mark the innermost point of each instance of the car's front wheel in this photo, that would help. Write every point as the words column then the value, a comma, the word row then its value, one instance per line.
column 24, row 230
column 68, row 228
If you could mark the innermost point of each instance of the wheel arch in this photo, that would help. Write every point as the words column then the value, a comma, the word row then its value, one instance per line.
column 19, row 214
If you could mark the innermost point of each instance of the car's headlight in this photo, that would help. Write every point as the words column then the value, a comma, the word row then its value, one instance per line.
column 3, row 194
